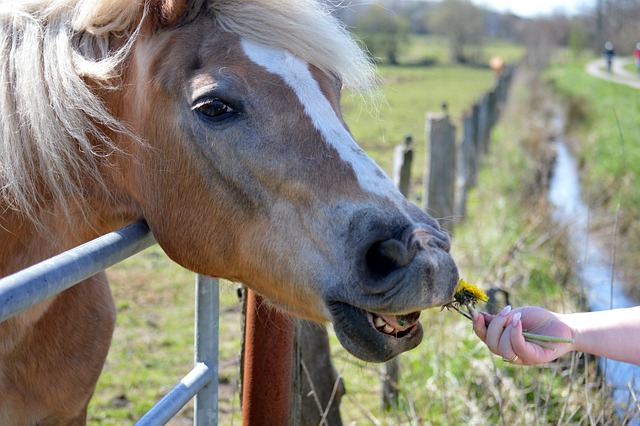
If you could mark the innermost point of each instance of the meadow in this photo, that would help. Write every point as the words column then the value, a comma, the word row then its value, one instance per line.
column 604, row 136
column 507, row 242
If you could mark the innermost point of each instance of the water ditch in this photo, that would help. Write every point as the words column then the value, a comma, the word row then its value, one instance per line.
column 603, row 286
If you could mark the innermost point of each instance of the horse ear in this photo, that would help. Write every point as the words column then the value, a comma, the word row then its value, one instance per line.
column 169, row 13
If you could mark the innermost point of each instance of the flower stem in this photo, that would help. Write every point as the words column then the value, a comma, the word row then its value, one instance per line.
column 546, row 338
column 463, row 313
column 541, row 343
column 538, row 339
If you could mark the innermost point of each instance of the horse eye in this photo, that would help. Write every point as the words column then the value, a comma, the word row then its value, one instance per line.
column 215, row 109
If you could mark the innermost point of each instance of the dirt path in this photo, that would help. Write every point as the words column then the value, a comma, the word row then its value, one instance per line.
column 619, row 75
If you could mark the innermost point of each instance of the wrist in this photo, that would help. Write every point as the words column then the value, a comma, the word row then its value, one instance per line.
column 572, row 322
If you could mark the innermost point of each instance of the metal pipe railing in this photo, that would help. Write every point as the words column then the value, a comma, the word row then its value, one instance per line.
column 178, row 397
column 36, row 283
column 206, row 347
column 201, row 382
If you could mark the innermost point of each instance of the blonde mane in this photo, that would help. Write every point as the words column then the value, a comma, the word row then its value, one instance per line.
column 49, row 50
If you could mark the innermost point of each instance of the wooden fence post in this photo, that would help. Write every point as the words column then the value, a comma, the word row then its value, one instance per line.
column 402, row 160
column 467, row 171
column 483, row 125
column 440, row 169
column 493, row 112
column 320, row 388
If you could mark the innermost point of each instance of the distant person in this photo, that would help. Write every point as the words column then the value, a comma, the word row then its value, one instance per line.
column 609, row 52
column 497, row 65
column 636, row 55
column 613, row 334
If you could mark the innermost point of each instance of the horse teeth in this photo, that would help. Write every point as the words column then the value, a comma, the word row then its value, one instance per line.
column 382, row 325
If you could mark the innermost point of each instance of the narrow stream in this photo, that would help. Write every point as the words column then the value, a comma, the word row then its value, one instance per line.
column 603, row 286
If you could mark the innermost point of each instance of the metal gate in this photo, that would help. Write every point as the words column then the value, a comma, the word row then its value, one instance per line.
column 36, row 283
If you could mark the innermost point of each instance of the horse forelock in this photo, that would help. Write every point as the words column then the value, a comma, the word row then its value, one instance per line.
column 305, row 28
column 55, row 127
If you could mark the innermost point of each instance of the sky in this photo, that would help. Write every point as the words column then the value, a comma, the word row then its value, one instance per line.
column 532, row 8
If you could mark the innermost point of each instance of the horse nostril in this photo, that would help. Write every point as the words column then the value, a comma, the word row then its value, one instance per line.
column 386, row 256
column 426, row 236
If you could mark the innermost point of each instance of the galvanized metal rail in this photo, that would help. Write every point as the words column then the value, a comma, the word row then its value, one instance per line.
column 202, row 380
column 38, row 282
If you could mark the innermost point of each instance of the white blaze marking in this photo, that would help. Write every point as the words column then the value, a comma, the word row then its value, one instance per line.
column 296, row 74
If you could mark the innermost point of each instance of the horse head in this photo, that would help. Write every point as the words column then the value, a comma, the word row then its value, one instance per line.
column 247, row 170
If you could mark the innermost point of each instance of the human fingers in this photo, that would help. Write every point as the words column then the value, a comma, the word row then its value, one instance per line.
column 479, row 324
column 481, row 321
column 496, row 329
column 507, row 350
column 531, row 352
column 516, row 338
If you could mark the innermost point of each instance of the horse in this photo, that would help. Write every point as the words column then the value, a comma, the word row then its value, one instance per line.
column 218, row 122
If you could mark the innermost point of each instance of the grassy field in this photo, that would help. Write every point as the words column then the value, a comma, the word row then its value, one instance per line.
column 407, row 94
column 604, row 136
column 151, row 349
column 153, row 339
column 507, row 242
column 432, row 49
column 631, row 67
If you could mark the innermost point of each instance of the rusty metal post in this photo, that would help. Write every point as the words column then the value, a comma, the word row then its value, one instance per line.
column 268, row 357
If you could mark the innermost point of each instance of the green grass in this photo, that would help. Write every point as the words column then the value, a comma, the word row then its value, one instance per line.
column 153, row 342
column 425, row 50
column 608, row 127
column 451, row 378
column 433, row 49
column 604, row 131
column 407, row 94
column 631, row 67
column 504, row 243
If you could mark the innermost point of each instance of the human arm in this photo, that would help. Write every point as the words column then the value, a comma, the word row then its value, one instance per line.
column 613, row 334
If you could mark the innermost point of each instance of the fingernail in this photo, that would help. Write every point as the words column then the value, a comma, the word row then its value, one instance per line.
column 505, row 311
column 474, row 313
column 516, row 318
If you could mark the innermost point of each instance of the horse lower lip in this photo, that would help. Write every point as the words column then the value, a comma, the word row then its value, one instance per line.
column 357, row 333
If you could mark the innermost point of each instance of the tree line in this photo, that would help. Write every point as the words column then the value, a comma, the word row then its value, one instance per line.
column 385, row 27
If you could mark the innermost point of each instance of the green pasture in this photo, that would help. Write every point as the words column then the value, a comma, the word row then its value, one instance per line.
column 631, row 67
column 605, row 135
column 433, row 49
column 407, row 95
column 506, row 242
column 153, row 339
column 451, row 378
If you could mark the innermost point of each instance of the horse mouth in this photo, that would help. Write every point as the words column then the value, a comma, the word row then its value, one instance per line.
column 397, row 326
column 375, row 337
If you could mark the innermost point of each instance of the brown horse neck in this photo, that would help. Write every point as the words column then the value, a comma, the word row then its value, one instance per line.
column 24, row 242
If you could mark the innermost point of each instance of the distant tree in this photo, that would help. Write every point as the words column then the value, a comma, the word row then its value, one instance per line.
column 577, row 38
column 384, row 32
column 463, row 25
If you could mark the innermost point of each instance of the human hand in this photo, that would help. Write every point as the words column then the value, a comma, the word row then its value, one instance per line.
column 502, row 333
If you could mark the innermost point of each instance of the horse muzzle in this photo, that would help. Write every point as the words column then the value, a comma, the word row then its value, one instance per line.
column 397, row 274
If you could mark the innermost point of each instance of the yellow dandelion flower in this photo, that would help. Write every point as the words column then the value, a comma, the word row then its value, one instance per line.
column 466, row 295
column 469, row 293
